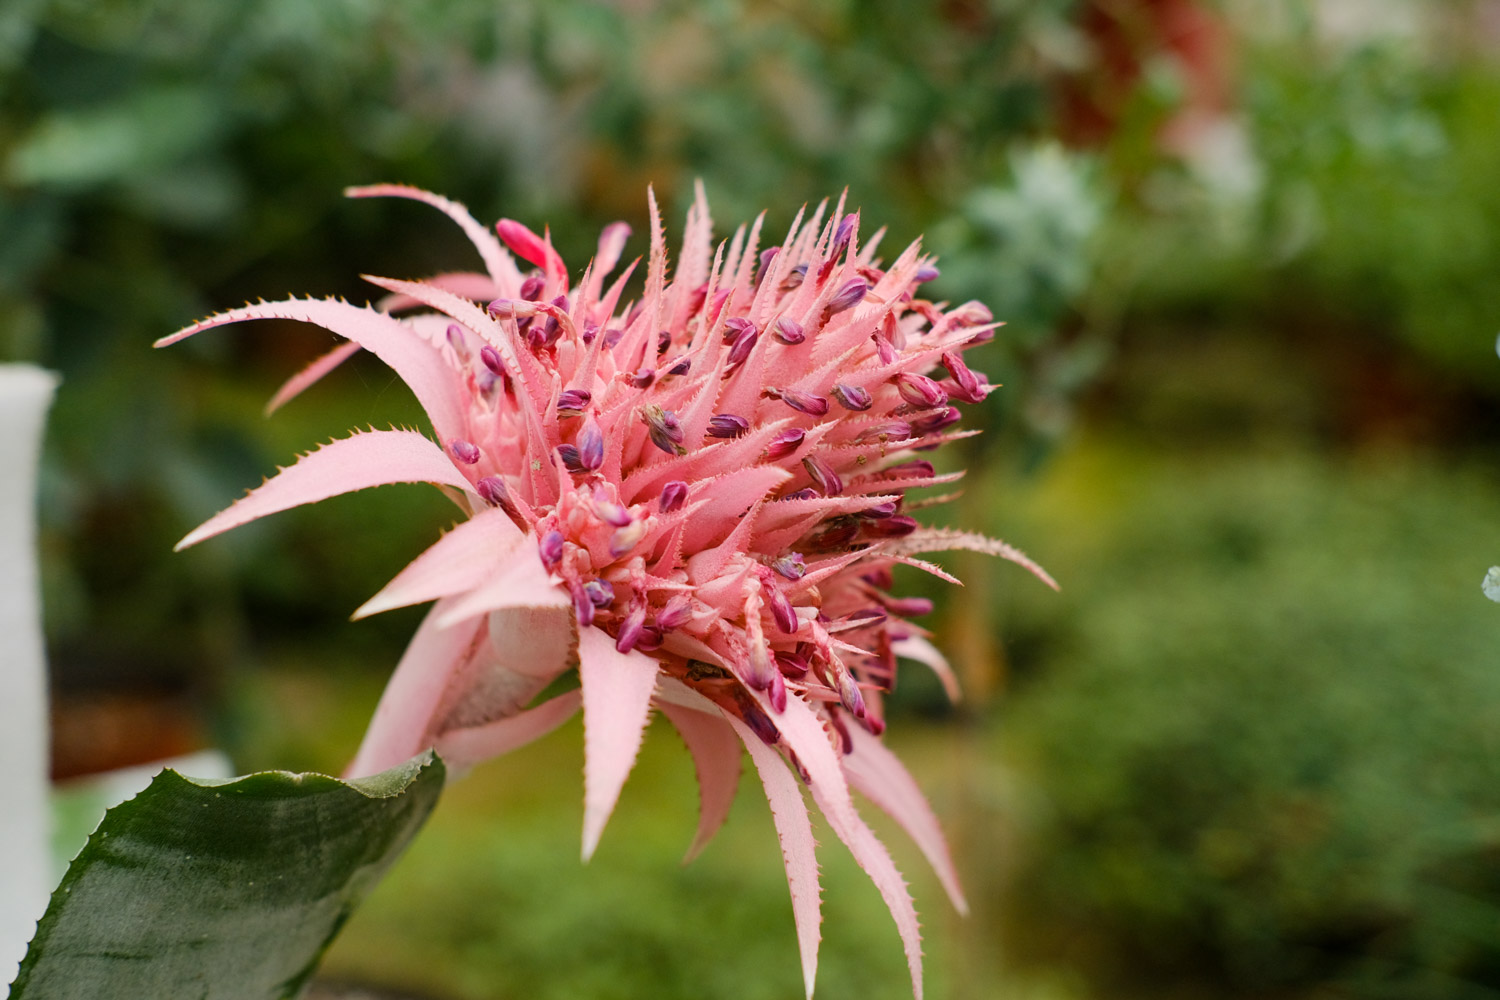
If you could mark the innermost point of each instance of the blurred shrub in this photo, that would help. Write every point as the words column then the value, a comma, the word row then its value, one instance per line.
column 1264, row 753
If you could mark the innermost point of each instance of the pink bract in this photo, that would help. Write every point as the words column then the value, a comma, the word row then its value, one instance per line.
column 697, row 500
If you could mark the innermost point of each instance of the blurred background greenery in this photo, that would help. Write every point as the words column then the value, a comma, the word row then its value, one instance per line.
column 1249, row 254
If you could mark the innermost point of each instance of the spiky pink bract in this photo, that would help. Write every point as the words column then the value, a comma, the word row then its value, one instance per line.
column 696, row 500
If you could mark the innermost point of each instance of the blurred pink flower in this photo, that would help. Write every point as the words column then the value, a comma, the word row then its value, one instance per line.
column 697, row 500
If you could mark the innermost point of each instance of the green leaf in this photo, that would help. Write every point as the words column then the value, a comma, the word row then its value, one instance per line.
column 222, row 890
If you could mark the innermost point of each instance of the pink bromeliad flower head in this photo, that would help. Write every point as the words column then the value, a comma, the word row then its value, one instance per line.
column 696, row 500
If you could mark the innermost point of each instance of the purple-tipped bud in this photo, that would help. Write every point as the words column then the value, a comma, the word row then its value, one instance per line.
column 573, row 402
column 794, row 278
column 874, row 725
column 849, row 692
column 926, row 273
column 457, row 341
column 851, row 294
column 852, row 397
column 642, row 378
column 766, row 256
column 884, row 350
column 682, row 367
column 784, row 443
column 664, row 429
column 465, row 451
column 612, row 336
column 920, row 391
column 673, row 495
column 676, row 613
column 909, row 607
column 531, row 288
column 891, row 430
column 802, row 402
column 492, row 490
column 790, row 566
column 601, row 593
column 759, row 722
column 590, row 331
column 583, row 608
column 879, row 511
column 824, row 478
column 735, row 327
column 569, row 455
column 727, row 425
column 788, row 331
column 510, row 309
column 776, row 691
column 743, row 345
column 650, row 640
column 550, row 548
column 842, row 235
column 663, row 341
column 591, row 446
column 492, row 361
column 782, row 611
column 630, row 629
column 612, row 513
column 806, row 493
column 970, row 388
column 937, row 420
column 917, row 468
column 791, row 664
column 897, row 526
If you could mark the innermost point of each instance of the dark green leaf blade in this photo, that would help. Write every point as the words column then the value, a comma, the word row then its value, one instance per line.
column 222, row 890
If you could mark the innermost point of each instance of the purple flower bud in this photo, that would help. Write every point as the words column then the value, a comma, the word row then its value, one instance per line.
column 802, row 402
column 569, row 455
column 743, row 345
column 897, row 526
column 550, row 548
column 790, row 566
column 884, row 350
column 612, row 337
column 591, row 446
column 509, row 309
column 612, row 513
column 926, row 273
column 802, row 494
column 664, row 429
column 673, row 495
column 937, row 420
column 849, row 692
column 842, row 235
column 676, row 612
column 630, row 629
column 971, row 389
column 776, row 691
column 590, row 331
column 852, row 397
column 663, row 341
column 531, row 288
column 851, row 294
column 791, row 665
column 457, row 341
column 681, row 368
column 788, row 331
column 917, row 468
column 909, row 607
column 727, row 425
column 601, row 593
column 766, row 256
column 824, row 478
column 583, row 608
column 920, row 391
column 891, row 430
column 642, row 378
column 759, row 722
column 794, row 278
column 781, row 608
column 879, row 511
column 784, row 443
column 492, row 490
column 492, row 361
column 872, row 724
column 572, row 402
column 650, row 640
column 735, row 327
column 464, row 451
